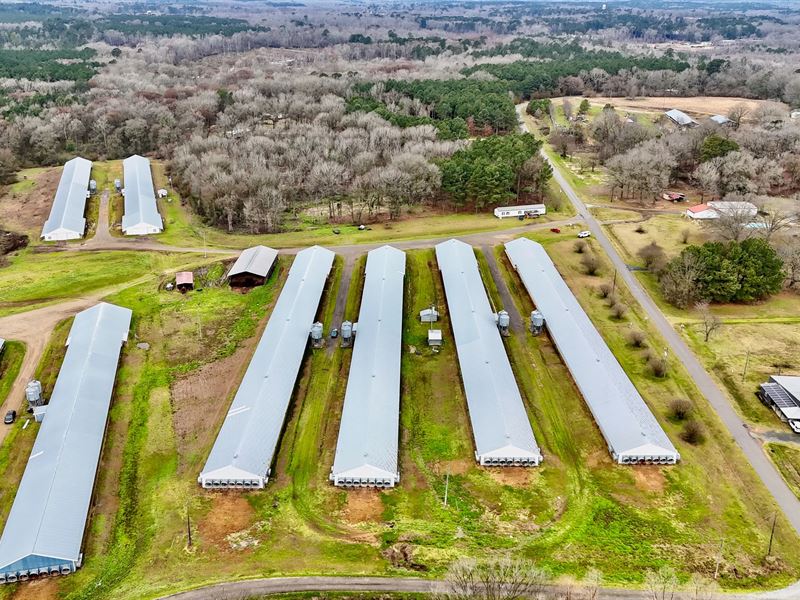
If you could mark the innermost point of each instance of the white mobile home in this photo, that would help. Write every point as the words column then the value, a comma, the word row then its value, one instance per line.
column 523, row 210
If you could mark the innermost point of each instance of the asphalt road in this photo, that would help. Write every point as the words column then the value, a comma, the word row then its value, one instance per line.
column 253, row 588
column 751, row 447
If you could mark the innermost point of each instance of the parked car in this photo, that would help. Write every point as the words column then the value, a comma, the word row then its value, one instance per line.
column 334, row 333
column 10, row 417
column 555, row 230
column 584, row 234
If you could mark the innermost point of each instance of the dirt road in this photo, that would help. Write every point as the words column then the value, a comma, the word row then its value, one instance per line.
column 751, row 447
column 34, row 328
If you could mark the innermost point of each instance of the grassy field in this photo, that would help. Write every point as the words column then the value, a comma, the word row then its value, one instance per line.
column 764, row 335
column 665, row 230
column 787, row 458
column 33, row 279
column 10, row 362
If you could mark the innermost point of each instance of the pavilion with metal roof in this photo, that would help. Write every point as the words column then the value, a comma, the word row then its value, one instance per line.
column 631, row 431
column 503, row 433
column 141, row 212
column 366, row 452
column 243, row 452
column 66, row 220
column 45, row 528
column 252, row 267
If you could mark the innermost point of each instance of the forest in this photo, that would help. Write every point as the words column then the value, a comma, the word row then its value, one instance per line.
column 373, row 110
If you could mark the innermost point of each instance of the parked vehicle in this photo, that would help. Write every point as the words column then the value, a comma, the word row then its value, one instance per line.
column 10, row 417
column 555, row 230
column 334, row 333
column 584, row 234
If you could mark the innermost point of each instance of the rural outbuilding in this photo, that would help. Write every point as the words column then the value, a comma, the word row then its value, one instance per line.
column 45, row 528
column 631, row 431
column 782, row 394
column 680, row 118
column 141, row 212
column 503, row 433
column 245, row 446
column 253, row 267
column 720, row 208
column 184, row 281
column 66, row 220
column 366, row 451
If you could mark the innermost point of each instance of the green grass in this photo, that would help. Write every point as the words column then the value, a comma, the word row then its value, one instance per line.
column 10, row 363
column 33, row 279
column 787, row 459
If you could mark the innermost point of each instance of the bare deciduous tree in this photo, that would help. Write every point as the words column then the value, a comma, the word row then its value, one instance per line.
column 493, row 579
column 661, row 584
column 710, row 322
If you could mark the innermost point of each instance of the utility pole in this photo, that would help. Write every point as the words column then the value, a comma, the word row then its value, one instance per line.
column 772, row 534
column 446, row 486
column 614, row 283
column 188, row 528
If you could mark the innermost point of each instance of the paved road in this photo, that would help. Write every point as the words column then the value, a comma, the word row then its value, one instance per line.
column 240, row 590
column 751, row 447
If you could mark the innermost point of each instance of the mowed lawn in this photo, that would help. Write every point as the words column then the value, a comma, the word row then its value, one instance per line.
column 34, row 278
column 575, row 512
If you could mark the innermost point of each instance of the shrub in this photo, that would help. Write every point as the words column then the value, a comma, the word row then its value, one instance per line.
column 619, row 310
column 693, row 433
column 680, row 408
column 590, row 263
column 653, row 257
column 611, row 300
column 580, row 247
column 685, row 236
column 657, row 364
column 640, row 228
column 604, row 290
column 637, row 339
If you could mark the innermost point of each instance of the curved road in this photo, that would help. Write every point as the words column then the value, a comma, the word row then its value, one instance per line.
column 751, row 447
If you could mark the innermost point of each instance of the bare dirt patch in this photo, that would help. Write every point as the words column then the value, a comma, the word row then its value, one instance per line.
column 516, row 476
column 199, row 403
column 41, row 589
column 363, row 505
column 701, row 105
column 27, row 210
column 230, row 513
column 649, row 478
